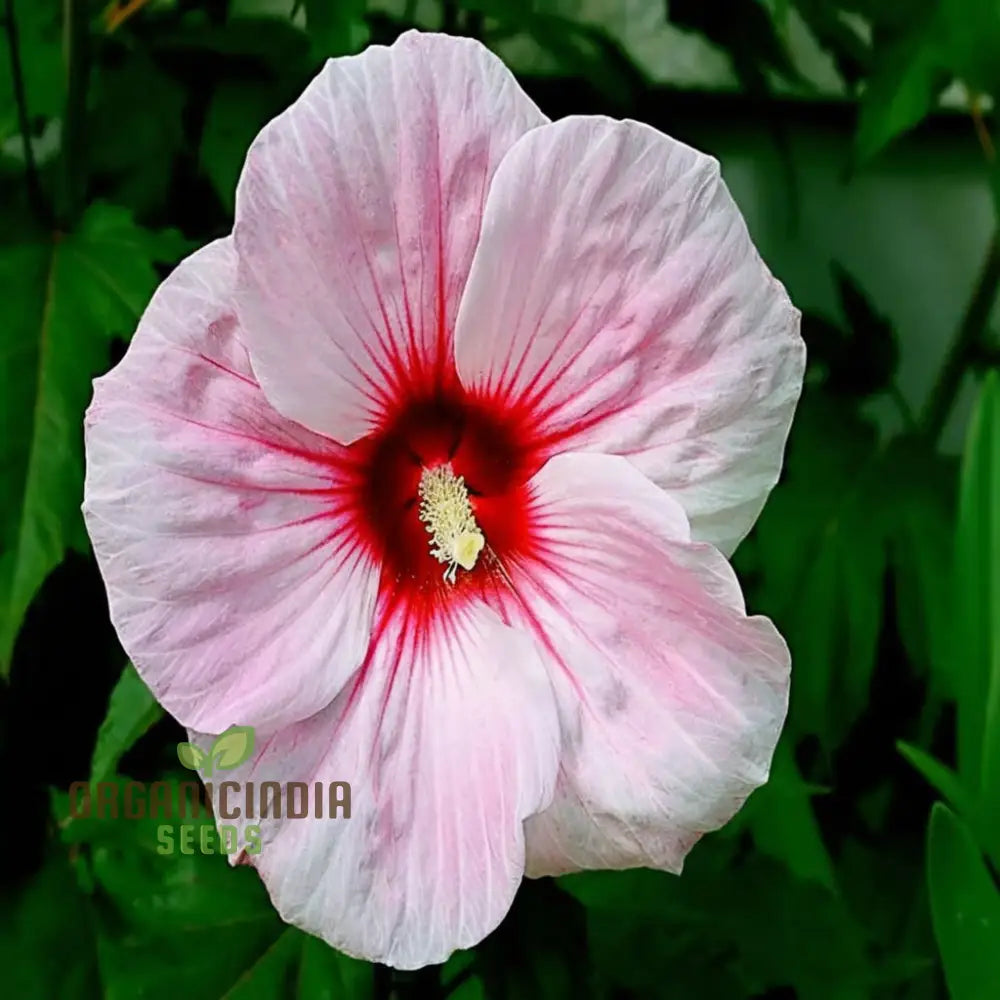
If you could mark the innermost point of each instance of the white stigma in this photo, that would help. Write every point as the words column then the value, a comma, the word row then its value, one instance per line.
column 447, row 514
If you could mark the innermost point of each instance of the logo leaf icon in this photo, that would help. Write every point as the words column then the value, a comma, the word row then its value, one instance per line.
column 233, row 747
column 191, row 756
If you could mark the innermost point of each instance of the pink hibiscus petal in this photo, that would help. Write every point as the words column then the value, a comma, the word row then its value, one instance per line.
column 357, row 216
column 449, row 741
column 615, row 290
column 671, row 698
column 234, row 582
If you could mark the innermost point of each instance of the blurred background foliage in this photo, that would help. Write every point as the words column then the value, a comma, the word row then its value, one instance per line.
column 857, row 137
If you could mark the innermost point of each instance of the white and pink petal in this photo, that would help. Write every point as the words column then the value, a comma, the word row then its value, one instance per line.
column 234, row 579
column 449, row 739
column 615, row 292
column 357, row 215
column 671, row 698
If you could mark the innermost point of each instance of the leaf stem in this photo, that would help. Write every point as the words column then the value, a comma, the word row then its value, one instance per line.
column 35, row 196
column 965, row 346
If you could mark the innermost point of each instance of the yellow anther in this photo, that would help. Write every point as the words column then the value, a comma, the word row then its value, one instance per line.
column 447, row 514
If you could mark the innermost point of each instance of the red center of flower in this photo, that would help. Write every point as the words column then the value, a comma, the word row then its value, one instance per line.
column 485, row 442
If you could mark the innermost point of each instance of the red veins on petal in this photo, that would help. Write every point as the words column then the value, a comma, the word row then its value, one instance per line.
column 490, row 441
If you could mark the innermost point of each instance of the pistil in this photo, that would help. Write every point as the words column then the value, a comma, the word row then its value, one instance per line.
column 446, row 512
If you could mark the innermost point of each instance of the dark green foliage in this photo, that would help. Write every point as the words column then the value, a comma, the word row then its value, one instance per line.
column 877, row 556
column 747, row 33
column 966, row 907
column 68, row 296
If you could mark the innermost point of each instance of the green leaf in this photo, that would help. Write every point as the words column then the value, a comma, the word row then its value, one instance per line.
column 135, row 131
column 39, row 31
column 190, row 755
column 469, row 989
column 746, row 31
column 835, row 34
column 783, row 824
column 539, row 951
column 823, row 558
column 922, row 555
column 586, row 51
column 278, row 46
column 941, row 778
column 906, row 80
column 846, row 503
column 872, row 342
column 47, row 918
column 65, row 296
column 326, row 974
column 965, row 904
column 460, row 977
column 890, row 17
column 727, row 927
column 976, row 645
column 232, row 748
column 860, row 359
column 946, row 39
column 884, row 893
column 132, row 711
column 970, row 42
column 170, row 924
column 336, row 27
column 319, row 973
column 237, row 112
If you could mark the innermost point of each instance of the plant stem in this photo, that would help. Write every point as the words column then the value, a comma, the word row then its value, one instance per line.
column 35, row 197
column 982, row 132
column 423, row 984
column 965, row 346
column 382, row 985
column 115, row 17
column 77, row 62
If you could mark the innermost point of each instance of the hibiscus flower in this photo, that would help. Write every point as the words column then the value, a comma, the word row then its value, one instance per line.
column 430, row 472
